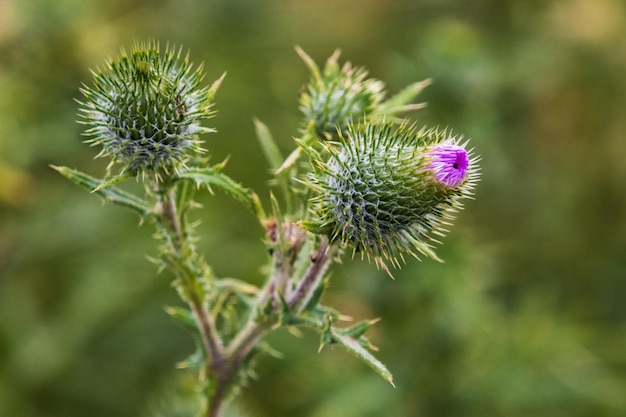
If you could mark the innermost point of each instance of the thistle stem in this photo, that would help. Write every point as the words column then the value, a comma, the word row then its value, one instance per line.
column 183, row 251
column 237, row 352
column 320, row 261
column 170, row 213
column 258, row 325
column 224, row 363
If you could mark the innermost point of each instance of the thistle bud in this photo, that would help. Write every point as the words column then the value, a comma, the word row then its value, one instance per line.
column 336, row 94
column 387, row 192
column 145, row 109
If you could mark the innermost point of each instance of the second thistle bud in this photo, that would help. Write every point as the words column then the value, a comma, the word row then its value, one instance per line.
column 146, row 109
column 336, row 94
column 386, row 192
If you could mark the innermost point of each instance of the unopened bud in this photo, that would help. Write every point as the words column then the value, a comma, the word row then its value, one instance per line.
column 145, row 109
column 388, row 191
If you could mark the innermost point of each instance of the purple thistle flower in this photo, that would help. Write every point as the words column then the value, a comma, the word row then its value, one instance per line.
column 449, row 164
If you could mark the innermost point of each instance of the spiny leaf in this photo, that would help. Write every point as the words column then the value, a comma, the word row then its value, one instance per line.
column 214, row 87
column 290, row 161
column 317, row 295
column 272, row 153
column 236, row 286
column 183, row 317
column 191, row 279
column 213, row 176
column 275, row 160
column 197, row 360
column 402, row 100
column 354, row 346
column 280, row 230
column 110, row 193
column 359, row 329
column 315, row 71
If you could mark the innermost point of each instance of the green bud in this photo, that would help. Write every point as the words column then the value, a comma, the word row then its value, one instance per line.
column 336, row 94
column 386, row 191
column 145, row 109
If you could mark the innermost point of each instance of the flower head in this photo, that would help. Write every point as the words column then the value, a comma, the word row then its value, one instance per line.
column 386, row 191
column 146, row 109
column 449, row 164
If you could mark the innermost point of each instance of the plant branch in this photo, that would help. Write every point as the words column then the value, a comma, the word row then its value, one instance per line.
column 320, row 261
column 179, row 247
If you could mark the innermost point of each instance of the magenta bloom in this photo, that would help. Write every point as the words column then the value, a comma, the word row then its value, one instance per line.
column 449, row 164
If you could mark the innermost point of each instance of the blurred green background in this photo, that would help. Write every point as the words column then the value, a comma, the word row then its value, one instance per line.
column 527, row 316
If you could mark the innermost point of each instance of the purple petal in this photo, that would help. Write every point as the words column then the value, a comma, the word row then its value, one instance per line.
column 449, row 164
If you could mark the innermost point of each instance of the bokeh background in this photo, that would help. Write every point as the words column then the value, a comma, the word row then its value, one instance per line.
column 527, row 316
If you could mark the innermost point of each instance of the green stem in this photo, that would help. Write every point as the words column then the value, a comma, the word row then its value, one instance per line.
column 259, row 325
column 191, row 265
column 224, row 363
column 320, row 261
column 239, row 349
column 235, row 355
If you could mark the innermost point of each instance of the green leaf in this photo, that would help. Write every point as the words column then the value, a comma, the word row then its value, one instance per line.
column 324, row 313
column 280, row 230
column 272, row 153
column 317, row 227
column 354, row 346
column 214, row 87
column 315, row 71
column 303, row 260
column 184, row 198
column 110, row 193
column 196, row 360
column 212, row 176
column 236, row 286
column 359, row 329
column 317, row 295
column 275, row 159
column 402, row 100
column 183, row 317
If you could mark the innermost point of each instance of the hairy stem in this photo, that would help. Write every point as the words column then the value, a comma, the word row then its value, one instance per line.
column 259, row 324
column 224, row 362
column 179, row 247
column 320, row 261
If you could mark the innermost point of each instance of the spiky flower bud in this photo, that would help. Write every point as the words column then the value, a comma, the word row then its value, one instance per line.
column 386, row 191
column 337, row 94
column 145, row 109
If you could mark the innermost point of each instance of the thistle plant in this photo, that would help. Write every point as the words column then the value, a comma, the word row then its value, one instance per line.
column 360, row 180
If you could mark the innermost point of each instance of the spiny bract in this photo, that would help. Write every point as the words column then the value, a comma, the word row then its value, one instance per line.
column 386, row 191
column 145, row 109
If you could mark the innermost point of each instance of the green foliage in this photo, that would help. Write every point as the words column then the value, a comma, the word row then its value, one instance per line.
column 109, row 193
column 132, row 116
column 525, row 317
column 213, row 176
